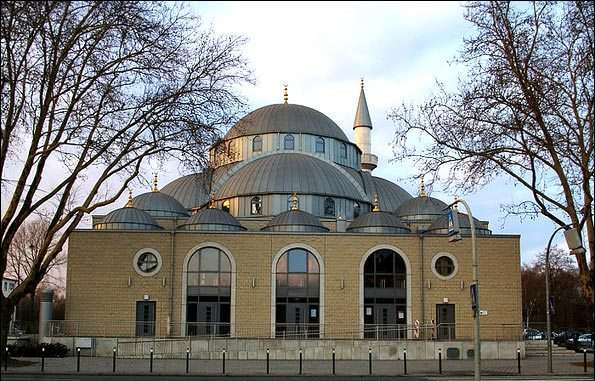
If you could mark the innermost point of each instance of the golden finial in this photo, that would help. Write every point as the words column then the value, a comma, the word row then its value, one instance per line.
column 155, row 189
column 212, row 201
column 285, row 95
column 294, row 202
column 129, row 203
column 422, row 189
column 376, row 203
column 362, row 82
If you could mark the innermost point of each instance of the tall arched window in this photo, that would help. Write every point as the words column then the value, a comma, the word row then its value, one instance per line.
column 329, row 207
column 289, row 142
column 225, row 206
column 343, row 150
column 385, row 296
column 256, row 206
column 356, row 209
column 208, row 300
column 297, row 313
column 257, row 144
column 319, row 145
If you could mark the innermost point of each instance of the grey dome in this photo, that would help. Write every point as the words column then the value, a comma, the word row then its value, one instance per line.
column 421, row 208
column 286, row 118
column 378, row 222
column 391, row 195
column 158, row 204
column 295, row 221
column 192, row 191
column 440, row 226
column 211, row 219
column 286, row 173
column 127, row 218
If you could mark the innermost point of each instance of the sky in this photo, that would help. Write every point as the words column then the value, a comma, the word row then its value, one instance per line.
column 321, row 50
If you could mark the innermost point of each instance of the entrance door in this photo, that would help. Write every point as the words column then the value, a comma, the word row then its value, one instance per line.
column 145, row 318
column 445, row 320
column 208, row 317
column 296, row 319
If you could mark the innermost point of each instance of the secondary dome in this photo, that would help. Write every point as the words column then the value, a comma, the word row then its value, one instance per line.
column 192, row 191
column 158, row 204
column 440, row 226
column 286, row 173
column 295, row 221
column 421, row 208
column 211, row 219
column 127, row 218
column 288, row 118
column 378, row 222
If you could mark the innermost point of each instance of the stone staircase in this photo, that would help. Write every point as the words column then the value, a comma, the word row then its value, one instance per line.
column 538, row 348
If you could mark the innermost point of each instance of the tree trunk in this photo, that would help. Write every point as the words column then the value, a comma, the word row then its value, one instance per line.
column 5, row 314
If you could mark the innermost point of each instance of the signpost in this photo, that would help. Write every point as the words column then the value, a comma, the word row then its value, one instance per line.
column 454, row 233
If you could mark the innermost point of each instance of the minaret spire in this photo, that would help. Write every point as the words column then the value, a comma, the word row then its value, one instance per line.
column 363, row 129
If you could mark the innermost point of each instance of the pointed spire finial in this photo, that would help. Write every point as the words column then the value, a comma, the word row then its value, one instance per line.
column 155, row 189
column 212, row 204
column 129, row 203
column 294, row 202
column 285, row 95
column 376, row 203
column 362, row 82
column 422, row 189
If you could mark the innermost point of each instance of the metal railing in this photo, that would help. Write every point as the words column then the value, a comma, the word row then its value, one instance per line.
column 428, row 332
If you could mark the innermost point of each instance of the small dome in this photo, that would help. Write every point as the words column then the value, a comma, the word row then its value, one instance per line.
column 127, row 218
column 192, row 191
column 391, row 195
column 158, row 204
column 288, row 118
column 295, row 221
column 211, row 219
column 378, row 222
column 421, row 208
column 440, row 226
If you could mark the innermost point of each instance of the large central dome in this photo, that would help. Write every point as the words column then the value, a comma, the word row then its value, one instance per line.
column 287, row 118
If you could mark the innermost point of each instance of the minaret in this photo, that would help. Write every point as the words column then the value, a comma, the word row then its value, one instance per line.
column 363, row 128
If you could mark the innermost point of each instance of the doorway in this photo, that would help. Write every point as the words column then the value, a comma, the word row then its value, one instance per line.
column 145, row 318
column 445, row 320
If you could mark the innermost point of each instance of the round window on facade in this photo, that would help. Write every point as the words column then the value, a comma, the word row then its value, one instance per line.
column 444, row 266
column 147, row 262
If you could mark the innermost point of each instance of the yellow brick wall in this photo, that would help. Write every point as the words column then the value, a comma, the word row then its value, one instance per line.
column 100, row 264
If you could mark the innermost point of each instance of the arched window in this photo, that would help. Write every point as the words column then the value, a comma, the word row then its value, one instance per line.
column 356, row 209
column 257, row 144
column 208, row 305
column 289, row 142
column 256, row 206
column 225, row 206
column 297, row 295
column 329, row 207
column 343, row 150
column 385, row 296
column 319, row 145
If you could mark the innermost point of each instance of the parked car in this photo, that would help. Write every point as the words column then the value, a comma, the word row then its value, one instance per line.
column 533, row 334
column 585, row 342
column 572, row 340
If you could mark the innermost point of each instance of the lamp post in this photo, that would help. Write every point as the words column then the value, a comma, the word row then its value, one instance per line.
column 455, row 236
column 574, row 242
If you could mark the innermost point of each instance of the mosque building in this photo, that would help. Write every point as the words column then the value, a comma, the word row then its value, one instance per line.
column 288, row 234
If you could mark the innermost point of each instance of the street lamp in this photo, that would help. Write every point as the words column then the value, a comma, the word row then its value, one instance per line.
column 574, row 242
column 453, row 232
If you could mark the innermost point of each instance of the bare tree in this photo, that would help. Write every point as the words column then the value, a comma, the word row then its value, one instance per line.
column 24, row 250
column 524, row 109
column 96, row 89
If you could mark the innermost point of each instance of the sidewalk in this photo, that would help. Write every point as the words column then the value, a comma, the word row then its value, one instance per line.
column 567, row 365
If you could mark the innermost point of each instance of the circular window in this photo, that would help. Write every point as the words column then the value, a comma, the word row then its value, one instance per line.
column 147, row 262
column 444, row 266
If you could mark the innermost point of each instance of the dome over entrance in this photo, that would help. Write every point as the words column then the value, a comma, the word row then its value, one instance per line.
column 286, row 118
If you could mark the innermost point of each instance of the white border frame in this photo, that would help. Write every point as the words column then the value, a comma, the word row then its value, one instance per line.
column 454, row 261
column 191, row 252
column 274, row 284
column 407, row 284
column 137, row 256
